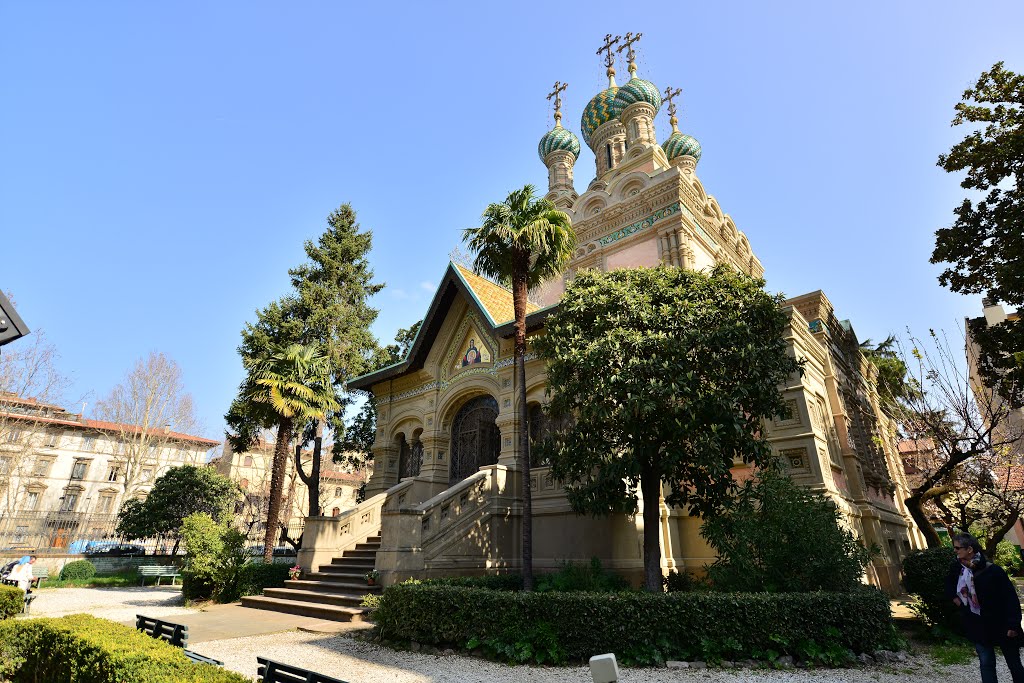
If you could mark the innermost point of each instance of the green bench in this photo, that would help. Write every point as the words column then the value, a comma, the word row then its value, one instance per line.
column 270, row 671
column 174, row 634
column 157, row 571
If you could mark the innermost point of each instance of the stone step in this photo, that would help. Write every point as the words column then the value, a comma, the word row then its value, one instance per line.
column 368, row 546
column 343, row 599
column 368, row 561
column 357, row 555
column 349, row 587
column 338, row 575
column 346, row 568
column 306, row 609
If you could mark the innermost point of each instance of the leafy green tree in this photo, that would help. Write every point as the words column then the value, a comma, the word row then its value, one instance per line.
column 985, row 244
column 666, row 375
column 361, row 431
column 327, row 306
column 176, row 494
column 288, row 389
column 894, row 382
column 523, row 241
column 216, row 554
column 780, row 537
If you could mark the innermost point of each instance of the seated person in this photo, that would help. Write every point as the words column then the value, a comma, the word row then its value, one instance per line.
column 22, row 573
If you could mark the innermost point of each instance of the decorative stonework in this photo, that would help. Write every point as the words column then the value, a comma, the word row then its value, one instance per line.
column 643, row 224
column 444, row 384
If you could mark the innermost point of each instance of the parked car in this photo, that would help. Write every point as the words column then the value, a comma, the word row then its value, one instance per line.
column 115, row 550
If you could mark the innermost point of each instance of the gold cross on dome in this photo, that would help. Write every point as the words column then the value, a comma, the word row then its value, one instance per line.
column 609, row 60
column 670, row 95
column 556, row 93
column 627, row 44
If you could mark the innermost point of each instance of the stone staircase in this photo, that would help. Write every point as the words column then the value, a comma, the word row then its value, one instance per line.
column 333, row 593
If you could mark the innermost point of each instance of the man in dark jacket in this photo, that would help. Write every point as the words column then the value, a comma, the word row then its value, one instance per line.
column 989, row 607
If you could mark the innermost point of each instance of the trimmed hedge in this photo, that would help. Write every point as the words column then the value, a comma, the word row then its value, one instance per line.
column 924, row 577
column 83, row 649
column 642, row 628
column 253, row 577
column 79, row 569
column 12, row 599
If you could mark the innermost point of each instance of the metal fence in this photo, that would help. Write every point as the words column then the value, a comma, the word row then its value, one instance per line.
column 59, row 533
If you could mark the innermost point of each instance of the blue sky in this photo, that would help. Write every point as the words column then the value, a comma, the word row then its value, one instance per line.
column 162, row 163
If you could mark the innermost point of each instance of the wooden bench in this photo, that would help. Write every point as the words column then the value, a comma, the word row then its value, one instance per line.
column 174, row 634
column 270, row 671
column 159, row 571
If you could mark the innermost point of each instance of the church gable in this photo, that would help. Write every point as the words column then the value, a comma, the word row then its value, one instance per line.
column 471, row 348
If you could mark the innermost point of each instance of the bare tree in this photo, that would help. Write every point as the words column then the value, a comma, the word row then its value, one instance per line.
column 30, row 385
column 972, row 434
column 145, row 410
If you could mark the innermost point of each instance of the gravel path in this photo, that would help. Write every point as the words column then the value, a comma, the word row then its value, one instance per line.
column 361, row 662
column 116, row 604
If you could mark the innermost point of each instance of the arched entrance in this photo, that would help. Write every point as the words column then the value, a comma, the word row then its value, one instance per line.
column 476, row 440
column 410, row 455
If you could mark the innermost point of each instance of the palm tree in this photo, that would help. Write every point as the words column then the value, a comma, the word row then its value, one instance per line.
column 288, row 388
column 524, row 241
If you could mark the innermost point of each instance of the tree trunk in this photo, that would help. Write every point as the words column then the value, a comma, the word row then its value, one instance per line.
column 915, row 506
column 998, row 534
column 284, row 436
column 519, row 292
column 312, row 480
column 650, row 488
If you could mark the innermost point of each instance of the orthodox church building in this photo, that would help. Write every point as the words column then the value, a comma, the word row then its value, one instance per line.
column 444, row 495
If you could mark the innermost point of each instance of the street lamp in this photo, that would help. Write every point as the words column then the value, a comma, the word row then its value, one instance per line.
column 11, row 325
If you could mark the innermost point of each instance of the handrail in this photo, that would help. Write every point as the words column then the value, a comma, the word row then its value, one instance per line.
column 327, row 537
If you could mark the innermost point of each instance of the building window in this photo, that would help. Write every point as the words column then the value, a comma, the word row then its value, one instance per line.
column 608, row 150
column 106, row 504
column 78, row 471
column 5, row 466
column 20, row 533
column 147, row 474
column 338, row 492
column 335, row 512
column 88, row 443
column 244, row 483
column 42, row 467
column 70, row 502
column 115, row 473
column 53, row 440
column 247, row 462
column 31, row 500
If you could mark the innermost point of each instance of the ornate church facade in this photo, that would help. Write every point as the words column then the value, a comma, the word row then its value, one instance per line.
column 445, row 493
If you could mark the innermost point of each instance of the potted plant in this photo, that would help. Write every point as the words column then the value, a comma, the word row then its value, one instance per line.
column 294, row 572
column 371, row 577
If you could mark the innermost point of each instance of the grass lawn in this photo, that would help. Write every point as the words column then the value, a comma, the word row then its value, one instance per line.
column 115, row 580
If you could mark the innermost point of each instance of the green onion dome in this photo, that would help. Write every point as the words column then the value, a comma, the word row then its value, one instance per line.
column 637, row 90
column 558, row 138
column 679, row 144
column 598, row 112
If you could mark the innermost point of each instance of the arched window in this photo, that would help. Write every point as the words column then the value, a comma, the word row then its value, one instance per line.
column 247, row 462
column 476, row 440
column 409, row 458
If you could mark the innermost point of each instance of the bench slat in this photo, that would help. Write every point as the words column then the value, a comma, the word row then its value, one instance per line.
column 270, row 671
column 175, row 634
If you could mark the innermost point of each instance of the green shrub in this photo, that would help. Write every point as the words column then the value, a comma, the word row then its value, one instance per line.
column 1007, row 556
column 781, row 537
column 642, row 628
column 684, row 581
column 83, row 649
column 494, row 582
column 216, row 555
column 12, row 599
column 591, row 578
column 924, row 577
column 253, row 577
column 79, row 569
